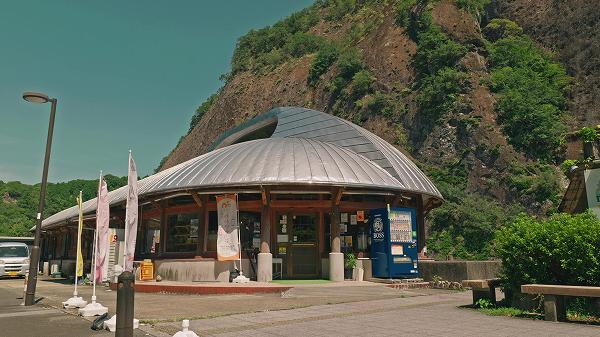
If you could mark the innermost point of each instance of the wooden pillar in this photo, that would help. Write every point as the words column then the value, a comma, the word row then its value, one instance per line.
column 265, row 229
column 421, row 239
column 265, row 222
column 335, row 230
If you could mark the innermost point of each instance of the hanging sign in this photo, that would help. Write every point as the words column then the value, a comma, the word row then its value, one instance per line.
column 228, row 248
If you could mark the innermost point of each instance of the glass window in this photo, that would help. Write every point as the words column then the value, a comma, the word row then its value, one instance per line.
column 14, row 251
column 182, row 232
column 150, row 236
column 250, row 230
column 213, row 227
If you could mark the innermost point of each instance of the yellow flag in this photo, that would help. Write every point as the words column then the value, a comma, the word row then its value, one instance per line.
column 79, row 230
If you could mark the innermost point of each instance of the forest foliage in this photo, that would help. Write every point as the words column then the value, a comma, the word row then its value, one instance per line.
column 19, row 202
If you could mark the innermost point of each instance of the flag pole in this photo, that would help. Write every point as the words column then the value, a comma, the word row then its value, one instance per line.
column 79, row 225
column 126, row 210
column 96, row 239
column 76, row 301
column 94, row 308
column 237, row 206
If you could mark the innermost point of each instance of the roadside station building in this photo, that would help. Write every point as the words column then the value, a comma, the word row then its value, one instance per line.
column 305, row 181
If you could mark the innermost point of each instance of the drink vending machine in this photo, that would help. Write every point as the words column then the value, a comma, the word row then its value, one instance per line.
column 394, row 252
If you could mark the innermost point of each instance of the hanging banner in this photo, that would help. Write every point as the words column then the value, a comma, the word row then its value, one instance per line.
column 228, row 248
column 131, row 215
column 79, row 269
column 102, row 219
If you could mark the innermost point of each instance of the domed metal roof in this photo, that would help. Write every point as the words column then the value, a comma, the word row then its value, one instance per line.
column 263, row 162
column 300, row 122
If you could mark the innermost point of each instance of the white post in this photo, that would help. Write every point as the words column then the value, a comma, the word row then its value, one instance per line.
column 94, row 309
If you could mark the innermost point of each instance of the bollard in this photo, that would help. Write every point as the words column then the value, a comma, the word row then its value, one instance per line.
column 125, row 295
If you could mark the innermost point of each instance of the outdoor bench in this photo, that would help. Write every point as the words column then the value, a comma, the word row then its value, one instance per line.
column 483, row 289
column 554, row 297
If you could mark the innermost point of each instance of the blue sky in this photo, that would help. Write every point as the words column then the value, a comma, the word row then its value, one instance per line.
column 127, row 74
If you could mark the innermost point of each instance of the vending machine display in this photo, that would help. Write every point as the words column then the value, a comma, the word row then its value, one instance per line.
column 394, row 252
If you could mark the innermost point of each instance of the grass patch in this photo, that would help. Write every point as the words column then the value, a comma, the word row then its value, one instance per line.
column 503, row 311
column 301, row 281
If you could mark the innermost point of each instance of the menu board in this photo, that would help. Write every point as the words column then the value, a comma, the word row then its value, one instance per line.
column 400, row 226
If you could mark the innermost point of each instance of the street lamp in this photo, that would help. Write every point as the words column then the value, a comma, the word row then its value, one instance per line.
column 35, row 97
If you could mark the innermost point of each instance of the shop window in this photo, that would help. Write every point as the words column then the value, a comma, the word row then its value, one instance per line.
column 213, row 227
column 354, row 233
column 150, row 236
column 250, row 230
column 66, row 245
column 182, row 232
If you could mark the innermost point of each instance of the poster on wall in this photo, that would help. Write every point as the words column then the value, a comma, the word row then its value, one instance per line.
column 228, row 248
column 592, row 187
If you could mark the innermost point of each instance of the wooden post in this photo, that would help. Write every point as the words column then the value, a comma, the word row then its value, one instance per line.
column 335, row 230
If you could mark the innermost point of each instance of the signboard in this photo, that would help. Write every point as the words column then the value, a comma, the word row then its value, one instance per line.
column 360, row 216
column 228, row 248
column 592, row 187
column 114, row 238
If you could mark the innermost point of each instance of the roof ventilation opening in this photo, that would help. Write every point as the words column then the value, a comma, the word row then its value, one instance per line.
column 261, row 129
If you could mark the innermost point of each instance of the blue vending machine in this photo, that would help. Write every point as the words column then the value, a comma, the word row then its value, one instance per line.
column 394, row 252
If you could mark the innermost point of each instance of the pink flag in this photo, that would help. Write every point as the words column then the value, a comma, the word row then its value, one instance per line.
column 102, row 218
column 131, row 215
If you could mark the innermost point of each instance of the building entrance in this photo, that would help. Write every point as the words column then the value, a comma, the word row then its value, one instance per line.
column 297, row 242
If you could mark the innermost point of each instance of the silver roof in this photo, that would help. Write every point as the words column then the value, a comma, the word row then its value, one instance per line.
column 300, row 122
column 271, row 161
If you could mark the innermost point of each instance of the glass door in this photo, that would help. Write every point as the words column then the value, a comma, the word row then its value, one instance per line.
column 303, row 245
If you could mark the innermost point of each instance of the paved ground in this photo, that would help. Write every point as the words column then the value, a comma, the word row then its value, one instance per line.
column 41, row 320
column 352, row 309
column 429, row 315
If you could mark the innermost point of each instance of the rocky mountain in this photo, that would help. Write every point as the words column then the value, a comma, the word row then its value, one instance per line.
column 483, row 104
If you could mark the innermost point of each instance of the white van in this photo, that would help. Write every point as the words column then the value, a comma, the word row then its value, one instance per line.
column 14, row 259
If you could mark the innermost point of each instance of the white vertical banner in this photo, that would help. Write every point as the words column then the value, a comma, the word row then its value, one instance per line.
column 102, row 220
column 228, row 248
column 131, row 215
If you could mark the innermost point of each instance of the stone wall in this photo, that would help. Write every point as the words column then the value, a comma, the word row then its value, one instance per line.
column 456, row 271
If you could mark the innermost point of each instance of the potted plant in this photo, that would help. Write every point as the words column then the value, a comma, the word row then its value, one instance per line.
column 349, row 265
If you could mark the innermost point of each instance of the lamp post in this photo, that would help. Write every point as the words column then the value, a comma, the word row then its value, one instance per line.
column 39, row 98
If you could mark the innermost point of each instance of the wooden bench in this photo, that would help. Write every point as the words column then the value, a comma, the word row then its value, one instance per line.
column 483, row 289
column 555, row 308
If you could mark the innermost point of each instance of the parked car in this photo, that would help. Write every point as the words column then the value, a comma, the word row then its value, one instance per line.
column 14, row 259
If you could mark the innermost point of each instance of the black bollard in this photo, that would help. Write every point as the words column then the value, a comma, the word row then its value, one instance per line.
column 125, row 294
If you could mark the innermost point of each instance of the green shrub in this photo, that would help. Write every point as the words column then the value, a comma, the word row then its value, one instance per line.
column 531, row 101
column 349, row 63
column 303, row 43
column 566, row 165
column 361, row 84
column 534, row 183
column 560, row 250
column 403, row 12
column 588, row 135
column 501, row 28
column 337, row 9
column 324, row 59
column 251, row 48
column 475, row 7
column 436, row 51
column 439, row 93
column 202, row 109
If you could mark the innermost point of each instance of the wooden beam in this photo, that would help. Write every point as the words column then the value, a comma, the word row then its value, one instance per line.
column 197, row 199
column 266, row 196
column 338, row 196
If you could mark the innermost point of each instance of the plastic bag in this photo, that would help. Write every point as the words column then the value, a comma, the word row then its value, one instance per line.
column 98, row 323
